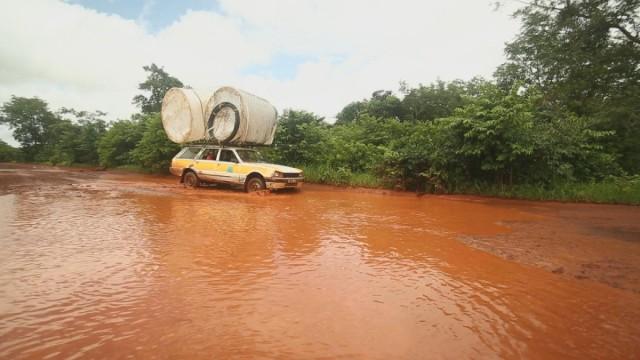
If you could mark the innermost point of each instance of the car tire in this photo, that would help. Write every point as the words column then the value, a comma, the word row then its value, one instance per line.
column 191, row 180
column 254, row 184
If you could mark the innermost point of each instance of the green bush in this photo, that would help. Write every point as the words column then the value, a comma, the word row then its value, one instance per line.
column 495, row 139
column 620, row 190
column 154, row 151
column 8, row 153
column 339, row 176
column 114, row 148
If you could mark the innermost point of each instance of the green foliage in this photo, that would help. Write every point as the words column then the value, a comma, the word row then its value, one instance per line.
column 140, row 143
column 154, row 150
column 434, row 101
column 424, row 103
column 492, row 137
column 114, row 148
column 63, row 144
column 31, row 122
column 383, row 104
column 91, row 127
column 157, row 84
column 584, row 56
column 620, row 190
column 504, row 138
column 299, row 138
column 340, row 176
column 351, row 112
column 8, row 152
column 74, row 141
column 79, row 137
column 50, row 137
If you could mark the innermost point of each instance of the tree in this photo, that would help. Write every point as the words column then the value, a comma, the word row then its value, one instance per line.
column 63, row 144
column 157, row 84
column 383, row 104
column 90, row 127
column 299, row 137
column 502, row 137
column 31, row 121
column 119, row 140
column 570, row 49
column 350, row 112
column 8, row 152
column 584, row 55
column 154, row 150
column 437, row 100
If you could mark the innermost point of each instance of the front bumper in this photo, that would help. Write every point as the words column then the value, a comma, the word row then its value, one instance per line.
column 284, row 183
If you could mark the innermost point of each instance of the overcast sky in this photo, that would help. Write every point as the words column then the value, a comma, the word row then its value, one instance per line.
column 316, row 55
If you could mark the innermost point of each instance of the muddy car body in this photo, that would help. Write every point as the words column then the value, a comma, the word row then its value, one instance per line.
column 232, row 165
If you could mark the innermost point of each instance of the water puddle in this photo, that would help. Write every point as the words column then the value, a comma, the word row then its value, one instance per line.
column 115, row 265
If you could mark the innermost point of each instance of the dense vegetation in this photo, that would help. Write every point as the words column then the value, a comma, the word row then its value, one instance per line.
column 69, row 137
column 560, row 119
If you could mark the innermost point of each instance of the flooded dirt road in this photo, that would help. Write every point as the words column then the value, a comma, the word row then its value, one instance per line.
column 106, row 265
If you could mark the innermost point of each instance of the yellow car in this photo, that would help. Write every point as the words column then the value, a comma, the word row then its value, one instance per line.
column 199, row 164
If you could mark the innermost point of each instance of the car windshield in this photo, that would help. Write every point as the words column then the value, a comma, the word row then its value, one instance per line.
column 249, row 155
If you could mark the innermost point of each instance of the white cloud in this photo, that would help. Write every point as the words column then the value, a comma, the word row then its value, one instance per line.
column 205, row 48
column 76, row 57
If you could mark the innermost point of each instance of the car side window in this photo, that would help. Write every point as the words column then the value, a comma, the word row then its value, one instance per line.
column 209, row 154
column 228, row 156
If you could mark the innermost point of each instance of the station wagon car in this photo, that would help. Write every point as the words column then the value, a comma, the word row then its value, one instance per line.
column 244, row 167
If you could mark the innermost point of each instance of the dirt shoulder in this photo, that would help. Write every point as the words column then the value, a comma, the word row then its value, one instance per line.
column 578, row 241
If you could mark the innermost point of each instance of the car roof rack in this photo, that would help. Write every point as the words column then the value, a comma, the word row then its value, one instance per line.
column 203, row 143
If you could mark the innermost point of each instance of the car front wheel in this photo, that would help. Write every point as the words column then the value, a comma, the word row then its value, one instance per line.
column 254, row 184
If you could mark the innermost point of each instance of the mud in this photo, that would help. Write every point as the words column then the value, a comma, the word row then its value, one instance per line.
column 102, row 264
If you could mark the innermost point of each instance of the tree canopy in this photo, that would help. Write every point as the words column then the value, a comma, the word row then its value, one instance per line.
column 584, row 55
column 31, row 121
column 158, row 82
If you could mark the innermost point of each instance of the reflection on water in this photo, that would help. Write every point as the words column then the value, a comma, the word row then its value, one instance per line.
column 114, row 267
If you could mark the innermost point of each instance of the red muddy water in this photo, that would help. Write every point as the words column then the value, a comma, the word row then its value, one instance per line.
column 107, row 265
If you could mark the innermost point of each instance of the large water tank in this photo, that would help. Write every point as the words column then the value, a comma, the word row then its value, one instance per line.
column 234, row 116
column 182, row 115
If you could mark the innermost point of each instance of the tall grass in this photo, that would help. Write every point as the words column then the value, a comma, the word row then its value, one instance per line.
column 340, row 176
column 613, row 190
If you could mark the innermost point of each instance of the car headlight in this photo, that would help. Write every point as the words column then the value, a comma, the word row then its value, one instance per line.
column 301, row 174
column 277, row 174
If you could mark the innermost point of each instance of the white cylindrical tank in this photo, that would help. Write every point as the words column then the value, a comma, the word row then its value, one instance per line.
column 182, row 115
column 233, row 116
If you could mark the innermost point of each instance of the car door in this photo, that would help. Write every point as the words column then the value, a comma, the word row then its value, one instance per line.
column 206, row 164
column 227, row 167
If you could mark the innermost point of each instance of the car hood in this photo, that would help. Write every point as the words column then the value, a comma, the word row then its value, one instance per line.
column 276, row 167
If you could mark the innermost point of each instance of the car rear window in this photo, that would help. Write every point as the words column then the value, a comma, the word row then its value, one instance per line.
column 188, row 153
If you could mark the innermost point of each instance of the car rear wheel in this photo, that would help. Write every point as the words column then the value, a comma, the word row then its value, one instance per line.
column 191, row 180
column 254, row 184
